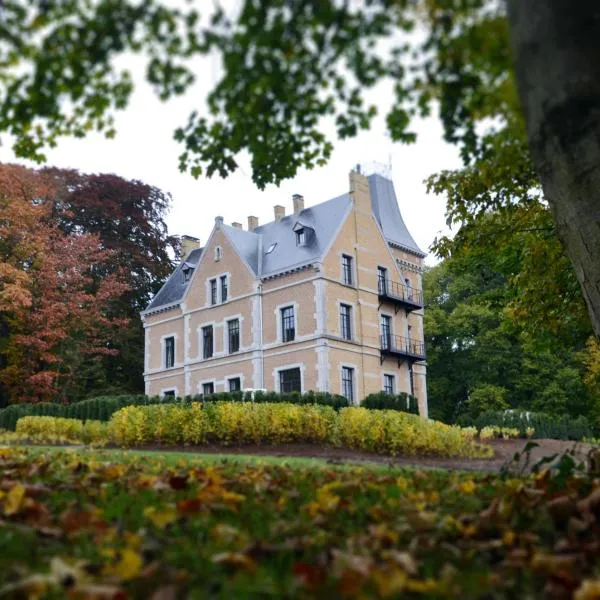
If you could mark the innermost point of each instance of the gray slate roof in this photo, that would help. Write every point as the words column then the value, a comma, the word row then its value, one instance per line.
column 320, row 223
column 174, row 288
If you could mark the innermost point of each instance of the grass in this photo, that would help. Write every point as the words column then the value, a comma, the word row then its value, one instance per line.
column 111, row 523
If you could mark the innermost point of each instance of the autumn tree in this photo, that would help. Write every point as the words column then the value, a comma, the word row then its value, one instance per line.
column 54, row 312
column 290, row 64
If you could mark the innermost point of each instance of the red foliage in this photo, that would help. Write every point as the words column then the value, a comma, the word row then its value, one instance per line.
column 53, row 309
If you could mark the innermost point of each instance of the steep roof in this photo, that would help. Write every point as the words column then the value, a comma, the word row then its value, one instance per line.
column 271, row 248
column 174, row 288
column 321, row 222
column 387, row 211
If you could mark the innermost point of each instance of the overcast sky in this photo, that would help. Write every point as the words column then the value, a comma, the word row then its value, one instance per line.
column 144, row 149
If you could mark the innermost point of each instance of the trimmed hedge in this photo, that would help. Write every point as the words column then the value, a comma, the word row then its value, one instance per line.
column 103, row 407
column 403, row 402
column 544, row 426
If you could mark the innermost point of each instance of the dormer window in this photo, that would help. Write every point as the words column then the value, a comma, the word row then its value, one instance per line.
column 187, row 273
column 300, row 237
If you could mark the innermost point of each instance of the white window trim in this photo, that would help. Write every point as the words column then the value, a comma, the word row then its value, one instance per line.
column 354, row 380
column 163, row 358
column 352, row 270
column 394, row 385
column 201, row 384
column 353, row 332
column 200, row 355
column 279, row 322
column 277, row 370
column 225, row 325
column 172, row 388
column 239, row 376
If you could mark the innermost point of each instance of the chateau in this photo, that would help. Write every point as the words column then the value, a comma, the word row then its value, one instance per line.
column 327, row 298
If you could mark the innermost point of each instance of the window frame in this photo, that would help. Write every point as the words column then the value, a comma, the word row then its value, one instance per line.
column 382, row 284
column 286, row 318
column 345, row 321
column 231, row 332
column 213, row 291
column 169, row 350
column 388, row 320
column 347, row 269
column 282, row 385
column 203, row 331
column 224, row 285
column 389, row 389
column 347, row 381
column 208, row 383
column 239, row 384
column 301, row 236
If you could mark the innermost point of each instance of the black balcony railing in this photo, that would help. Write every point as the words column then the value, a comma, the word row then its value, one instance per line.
column 397, row 345
column 401, row 293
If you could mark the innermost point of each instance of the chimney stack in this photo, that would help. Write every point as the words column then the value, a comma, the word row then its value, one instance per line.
column 218, row 222
column 279, row 212
column 252, row 223
column 237, row 225
column 298, row 201
column 188, row 243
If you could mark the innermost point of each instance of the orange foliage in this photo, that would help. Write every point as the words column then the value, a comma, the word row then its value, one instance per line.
column 52, row 310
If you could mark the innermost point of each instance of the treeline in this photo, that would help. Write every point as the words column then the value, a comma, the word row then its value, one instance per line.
column 80, row 256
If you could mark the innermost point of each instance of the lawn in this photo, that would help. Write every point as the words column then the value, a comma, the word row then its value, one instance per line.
column 117, row 524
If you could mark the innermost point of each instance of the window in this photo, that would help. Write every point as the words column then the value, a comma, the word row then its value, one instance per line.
column 169, row 352
column 233, row 327
column 208, row 389
column 388, row 384
column 346, row 321
column 290, row 381
column 223, row 288
column 218, row 253
column 347, row 269
column 386, row 332
column 411, row 379
column 168, row 393
column 348, row 383
column 235, row 384
column 288, row 327
column 271, row 248
column 187, row 273
column 408, row 288
column 213, row 291
column 381, row 280
column 207, row 341
column 300, row 237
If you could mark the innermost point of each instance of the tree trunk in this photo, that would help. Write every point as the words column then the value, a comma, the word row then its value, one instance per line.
column 556, row 48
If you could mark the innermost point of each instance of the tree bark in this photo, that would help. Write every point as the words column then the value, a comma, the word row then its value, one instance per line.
column 556, row 49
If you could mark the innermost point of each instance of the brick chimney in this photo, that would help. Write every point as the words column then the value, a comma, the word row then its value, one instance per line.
column 279, row 212
column 188, row 243
column 252, row 223
column 298, row 201
column 237, row 225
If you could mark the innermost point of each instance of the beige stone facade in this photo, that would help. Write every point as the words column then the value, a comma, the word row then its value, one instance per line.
column 325, row 329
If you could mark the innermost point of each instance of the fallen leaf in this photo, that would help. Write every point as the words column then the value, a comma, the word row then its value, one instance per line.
column 14, row 500
column 160, row 517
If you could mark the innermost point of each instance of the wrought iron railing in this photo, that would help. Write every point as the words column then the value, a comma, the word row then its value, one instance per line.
column 400, row 291
column 396, row 344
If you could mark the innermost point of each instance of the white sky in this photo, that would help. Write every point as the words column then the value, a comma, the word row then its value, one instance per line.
column 144, row 149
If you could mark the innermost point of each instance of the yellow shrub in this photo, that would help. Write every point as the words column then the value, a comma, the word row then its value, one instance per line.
column 50, row 429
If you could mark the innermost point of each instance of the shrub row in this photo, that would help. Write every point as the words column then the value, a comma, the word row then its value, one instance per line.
column 58, row 429
column 382, row 431
column 543, row 425
column 103, row 407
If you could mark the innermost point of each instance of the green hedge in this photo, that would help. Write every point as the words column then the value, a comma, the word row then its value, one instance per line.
column 403, row 402
column 545, row 426
column 102, row 408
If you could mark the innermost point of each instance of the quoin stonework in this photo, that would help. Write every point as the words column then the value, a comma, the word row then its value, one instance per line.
column 327, row 299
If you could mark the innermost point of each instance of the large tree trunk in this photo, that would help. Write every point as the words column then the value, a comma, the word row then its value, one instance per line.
column 556, row 48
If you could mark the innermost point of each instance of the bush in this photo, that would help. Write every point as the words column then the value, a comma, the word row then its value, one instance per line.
column 382, row 431
column 543, row 425
column 403, row 402
column 487, row 397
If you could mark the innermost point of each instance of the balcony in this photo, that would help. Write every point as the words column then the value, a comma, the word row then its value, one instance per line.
column 401, row 348
column 401, row 295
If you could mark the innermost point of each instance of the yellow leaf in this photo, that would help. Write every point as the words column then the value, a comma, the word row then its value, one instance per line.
column 128, row 566
column 589, row 590
column 467, row 487
column 14, row 500
column 161, row 518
